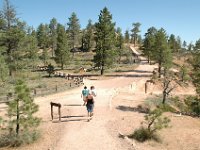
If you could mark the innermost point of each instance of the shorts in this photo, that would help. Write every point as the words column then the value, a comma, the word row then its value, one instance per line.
column 90, row 107
column 84, row 98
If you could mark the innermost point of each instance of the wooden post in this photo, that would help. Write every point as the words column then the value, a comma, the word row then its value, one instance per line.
column 35, row 92
column 56, row 88
column 146, row 86
column 59, row 111
column 51, row 111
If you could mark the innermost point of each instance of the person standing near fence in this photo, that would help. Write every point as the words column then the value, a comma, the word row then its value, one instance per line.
column 84, row 94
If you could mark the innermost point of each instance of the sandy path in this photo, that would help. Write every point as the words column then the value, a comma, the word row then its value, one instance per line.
column 80, row 134
column 74, row 132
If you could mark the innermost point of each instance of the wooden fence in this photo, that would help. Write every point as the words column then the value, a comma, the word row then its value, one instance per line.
column 76, row 81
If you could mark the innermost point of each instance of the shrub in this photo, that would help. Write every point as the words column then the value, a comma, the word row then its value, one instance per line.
column 142, row 134
column 21, row 124
column 193, row 104
column 178, row 103
column 157, row 103
column 50, row 69
column 166, row 108
column 12, row 140
column 154, row 122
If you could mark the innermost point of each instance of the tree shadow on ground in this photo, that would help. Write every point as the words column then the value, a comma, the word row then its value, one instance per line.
column 71, row 118
column 133, row 75
column 139, row 109
column 137, row 71
column 73, row 105
column 74, row 116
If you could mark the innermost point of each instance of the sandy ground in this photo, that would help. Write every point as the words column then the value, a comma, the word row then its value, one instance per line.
column 74, row 132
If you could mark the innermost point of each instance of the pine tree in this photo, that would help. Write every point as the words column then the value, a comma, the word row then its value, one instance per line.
column 149, row 43
column 3, row 69
column 43, row 35
column 184, row 44
column 193, row 102
column 162, row 53
column 62, row 53
column 119, row 42
column 73, row 31
column 196, row 67
column 135, row 31
column 9, row 39
column 105, row 43
column 190, row 47
column 89, row 36
column 53, row 34
column 127, row 37
column 32, row 49
column 21, row 110
column 45, row 56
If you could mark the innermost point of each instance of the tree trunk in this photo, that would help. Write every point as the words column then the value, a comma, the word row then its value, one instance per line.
column 10, row 72
column 102, row 70
column 17, row 127
column 159, row 69
column 164, row 97
column 62, row 66
column 148, row 59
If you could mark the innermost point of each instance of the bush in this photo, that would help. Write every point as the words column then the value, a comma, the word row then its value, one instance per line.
column 157, row 103
column 166, row 108
column 142, row 134
column 13, row 140
column 193, row 105
column 154, row 122
column 178, row 103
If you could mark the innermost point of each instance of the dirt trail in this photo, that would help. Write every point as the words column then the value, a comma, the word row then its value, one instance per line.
column 74, row 132
column 80, row 134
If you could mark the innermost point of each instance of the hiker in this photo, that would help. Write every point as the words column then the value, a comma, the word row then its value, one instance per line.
column 84, row 94
column 90, row 106
column 93, row 91
column 92, row 94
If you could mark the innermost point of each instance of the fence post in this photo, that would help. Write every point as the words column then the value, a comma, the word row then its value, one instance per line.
column 146, row 86
column 56, row 88
column 68, row 77
column 35, row 92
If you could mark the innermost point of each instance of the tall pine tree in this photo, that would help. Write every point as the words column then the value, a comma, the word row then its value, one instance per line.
column 89, row 36
column 149, row 42
column 73, row 31
column 62, row 52
column 135, row 32
column 162, row 54
column 119, row 43
column 127, row 37
column 105, row 43
column 53, row 34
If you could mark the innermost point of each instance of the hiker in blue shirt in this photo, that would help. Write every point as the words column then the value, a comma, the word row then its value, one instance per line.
column 84, row 94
